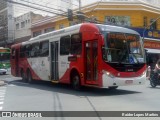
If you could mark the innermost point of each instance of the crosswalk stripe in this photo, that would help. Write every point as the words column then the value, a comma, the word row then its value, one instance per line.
column 2, row 95
column 2, row 91
column 1, row 103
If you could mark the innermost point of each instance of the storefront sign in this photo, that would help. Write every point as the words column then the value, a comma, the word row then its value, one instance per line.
column 117, row 20
column 148, row 33
column 152, row 45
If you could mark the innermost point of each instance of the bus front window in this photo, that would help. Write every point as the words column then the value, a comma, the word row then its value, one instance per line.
column 123, row 48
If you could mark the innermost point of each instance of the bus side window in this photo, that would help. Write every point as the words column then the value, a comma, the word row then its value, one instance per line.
column 44, row 48
column 22, row 51
column 13, row 53
column 35, row 50
column 76, row 44
column 65, row 45
column 28, row 50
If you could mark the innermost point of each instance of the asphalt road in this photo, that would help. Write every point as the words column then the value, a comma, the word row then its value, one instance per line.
column 45, row 96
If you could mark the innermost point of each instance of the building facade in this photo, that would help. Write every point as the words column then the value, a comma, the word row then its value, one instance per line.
column 23, row 26
column 6, row 23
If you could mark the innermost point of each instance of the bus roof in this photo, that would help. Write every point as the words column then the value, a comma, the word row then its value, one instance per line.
column 111, row 28
column 76, row 28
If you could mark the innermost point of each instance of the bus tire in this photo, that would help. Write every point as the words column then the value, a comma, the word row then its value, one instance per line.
column 76, row 81
column 23, row 76
column 113, row 87
column 29, row 77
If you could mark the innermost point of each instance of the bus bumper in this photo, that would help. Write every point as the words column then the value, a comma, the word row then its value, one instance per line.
column 108, row 81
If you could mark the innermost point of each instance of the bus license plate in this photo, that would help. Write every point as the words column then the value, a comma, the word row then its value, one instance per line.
column 129, row 81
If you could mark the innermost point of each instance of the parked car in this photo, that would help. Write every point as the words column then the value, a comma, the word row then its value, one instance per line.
column 3, row 71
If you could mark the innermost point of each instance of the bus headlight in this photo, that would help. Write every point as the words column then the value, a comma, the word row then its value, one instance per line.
column 108, row 74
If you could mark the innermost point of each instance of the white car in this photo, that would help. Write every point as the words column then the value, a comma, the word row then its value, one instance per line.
column 3, row 71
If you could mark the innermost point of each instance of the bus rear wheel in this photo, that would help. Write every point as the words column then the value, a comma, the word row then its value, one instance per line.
column 29, row 77
column 23, row 76
column 76, row 82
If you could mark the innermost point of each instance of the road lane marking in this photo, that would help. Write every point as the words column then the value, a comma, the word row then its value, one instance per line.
column 2, row 95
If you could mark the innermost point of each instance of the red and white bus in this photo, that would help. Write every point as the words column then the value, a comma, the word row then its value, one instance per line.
column 86, row 54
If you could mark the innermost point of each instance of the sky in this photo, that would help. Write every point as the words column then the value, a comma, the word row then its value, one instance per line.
column 57, row 4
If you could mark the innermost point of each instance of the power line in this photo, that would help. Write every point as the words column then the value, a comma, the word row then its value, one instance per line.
column 42, row 5
column 39, row 5
column 69, row 2
column 53, row 4
column 35, row 8
column 95, row 6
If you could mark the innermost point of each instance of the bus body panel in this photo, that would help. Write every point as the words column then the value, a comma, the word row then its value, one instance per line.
column 41, row 67
column 118, row 81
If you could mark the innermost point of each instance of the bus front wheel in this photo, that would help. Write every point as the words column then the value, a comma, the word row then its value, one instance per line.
column 113, row 87
column 76, row 82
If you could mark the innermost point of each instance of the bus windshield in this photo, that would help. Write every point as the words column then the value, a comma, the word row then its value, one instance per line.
column 123, row 48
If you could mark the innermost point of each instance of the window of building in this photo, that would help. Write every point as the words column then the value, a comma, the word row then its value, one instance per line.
column 49, row 29
column 65, row 45
column 61, row 26
column 22, row 24
column 17, row 26
column 145, row 21
column 44, row 48
column 76, row 44
column 153, row 24
column 36, row 33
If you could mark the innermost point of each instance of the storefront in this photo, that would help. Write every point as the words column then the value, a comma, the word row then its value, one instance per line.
column 153, row 52
column 151, row 44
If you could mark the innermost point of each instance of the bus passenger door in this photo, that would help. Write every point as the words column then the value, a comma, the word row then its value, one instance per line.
column 91, row 62
column 54, row 61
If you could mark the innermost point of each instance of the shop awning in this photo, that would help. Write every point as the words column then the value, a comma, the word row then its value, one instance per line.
column 152, row 50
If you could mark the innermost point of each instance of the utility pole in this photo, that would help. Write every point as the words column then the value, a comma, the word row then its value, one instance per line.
column 80, row 5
